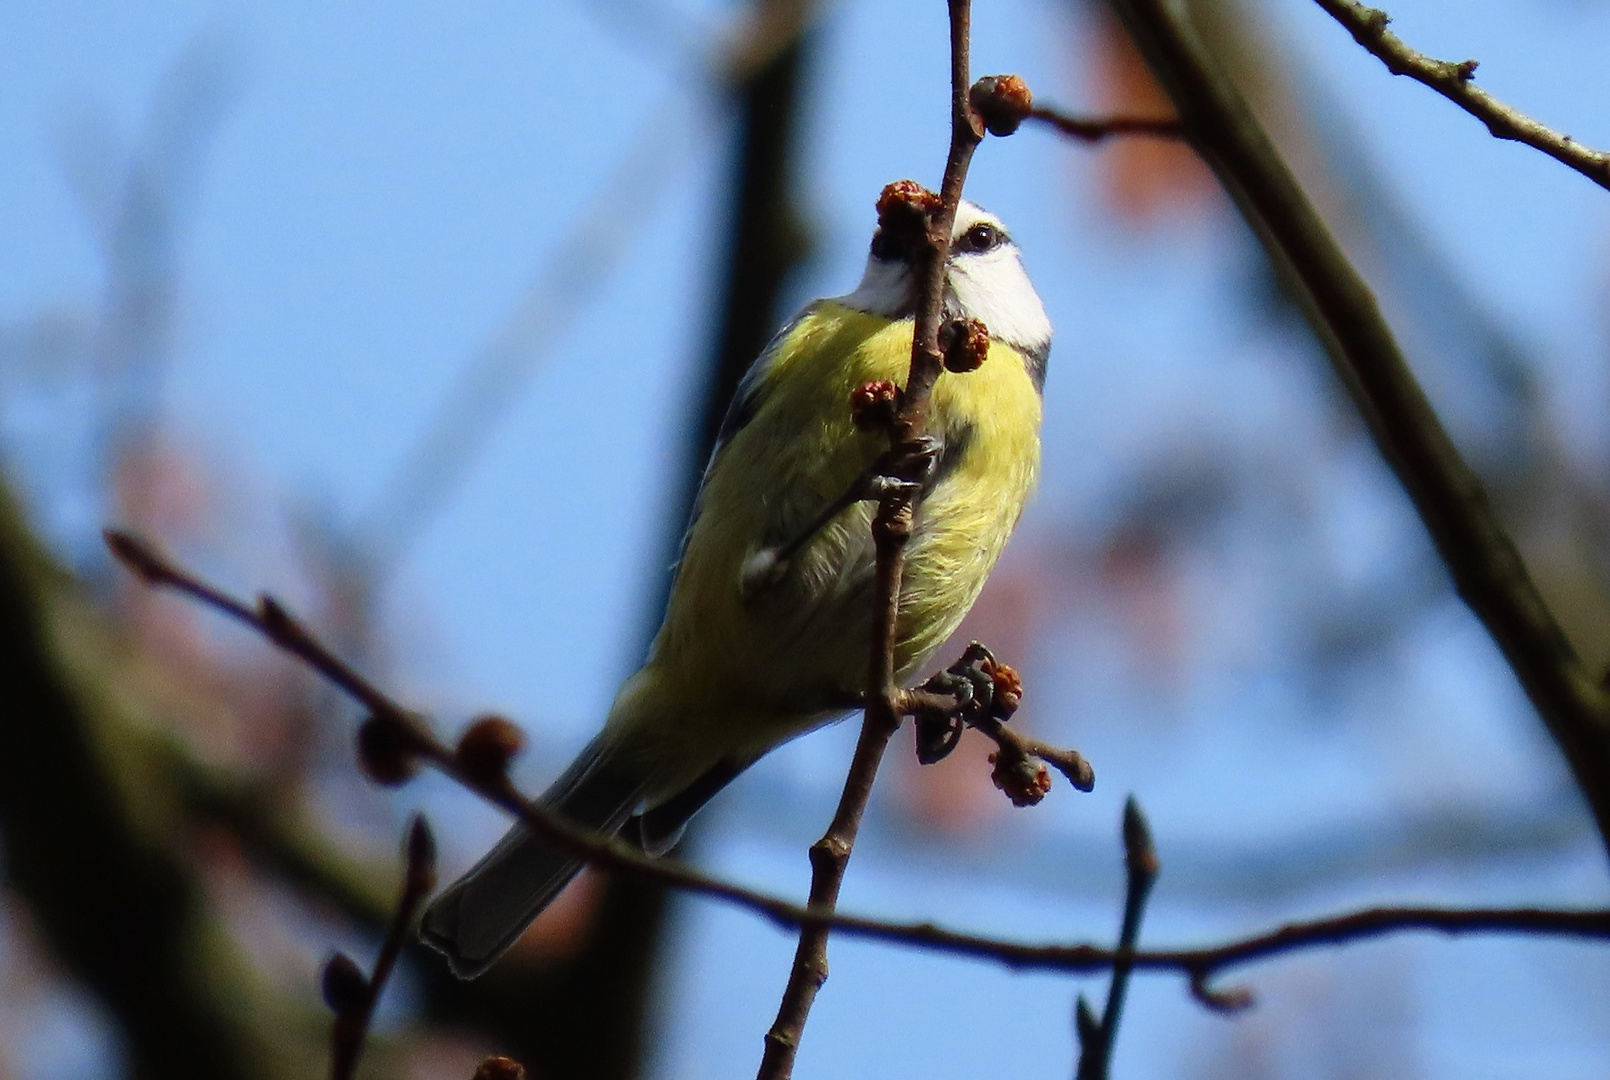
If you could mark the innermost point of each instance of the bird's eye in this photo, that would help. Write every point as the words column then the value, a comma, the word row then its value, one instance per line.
column 981, row 237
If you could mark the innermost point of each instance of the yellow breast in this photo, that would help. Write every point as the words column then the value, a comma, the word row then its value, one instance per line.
column 806, row 641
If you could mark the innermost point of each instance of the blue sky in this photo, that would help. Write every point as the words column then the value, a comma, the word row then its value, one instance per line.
column 387, row 181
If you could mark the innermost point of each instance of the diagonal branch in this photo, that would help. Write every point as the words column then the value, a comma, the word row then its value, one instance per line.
column 900, row 205
column 493, row 785
column 1486, row 568
column 891, row 529
column 1454, row 80
column 1093, row 129
column 393, row 738
column 351, row 995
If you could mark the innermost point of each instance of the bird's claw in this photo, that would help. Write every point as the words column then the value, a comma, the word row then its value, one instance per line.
column 969, row 682
column 879, row 487
column 905, row 471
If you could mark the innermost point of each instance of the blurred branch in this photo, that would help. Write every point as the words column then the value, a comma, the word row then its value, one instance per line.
column 1487, row 570
column 122, row 914
column 138, row 207
column 1454, row 80
column 1097, row 128
column 491, row 384
column 1141, row 868
column 394, row 738
column 926, row 220
column 351, row 995
column 277, row 837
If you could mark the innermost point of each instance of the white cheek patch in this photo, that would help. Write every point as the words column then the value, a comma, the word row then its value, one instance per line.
column 990, row 286
column 993, row 287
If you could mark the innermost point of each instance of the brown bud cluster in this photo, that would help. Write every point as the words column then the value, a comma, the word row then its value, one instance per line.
column 965, row 343
column 500, row 1068
column 906, row 205
column 1008, row 689
column 873, row 405
column 383, row 753
column 1024, row 779
column 487, row 747
column 1002, row 101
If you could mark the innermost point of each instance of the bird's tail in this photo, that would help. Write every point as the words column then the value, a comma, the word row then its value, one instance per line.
column 482, row 913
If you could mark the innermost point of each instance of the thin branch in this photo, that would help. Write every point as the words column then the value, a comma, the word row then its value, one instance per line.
column 1093, row 129
column 394, row 736
column 899, row 205
column 351, row 995
column 1486, row 568
column 1454, row 80
column 1141, row 867
column 612, row 854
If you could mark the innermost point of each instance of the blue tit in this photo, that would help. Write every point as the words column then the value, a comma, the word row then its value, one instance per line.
column 744, row 662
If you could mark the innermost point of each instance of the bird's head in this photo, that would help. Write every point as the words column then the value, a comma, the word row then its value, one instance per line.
column 984, row 280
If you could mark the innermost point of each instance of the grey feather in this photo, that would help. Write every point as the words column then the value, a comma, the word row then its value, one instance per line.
column 481, row 914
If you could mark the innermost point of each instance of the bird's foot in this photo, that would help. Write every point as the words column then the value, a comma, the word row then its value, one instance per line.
column 904, row 470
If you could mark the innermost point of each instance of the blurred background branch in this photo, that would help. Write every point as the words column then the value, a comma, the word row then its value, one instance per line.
column 1217, row 581
column 86, row 841
column 1486, row 567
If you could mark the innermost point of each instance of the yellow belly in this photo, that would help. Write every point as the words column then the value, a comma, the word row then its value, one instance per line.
column 747, row 674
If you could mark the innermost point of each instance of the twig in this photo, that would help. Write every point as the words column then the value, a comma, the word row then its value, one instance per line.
column 349, row 994
column 1454, row 80
column 1487, row 570
column 891, row 529
column 612, row 854
column 1096, row 1036
column 831, row 854
column 1141, row 868
column 393, row 736
column 1094, row 129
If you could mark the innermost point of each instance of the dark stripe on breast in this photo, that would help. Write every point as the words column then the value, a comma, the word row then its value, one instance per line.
column 1035, row 360
column 958, row 441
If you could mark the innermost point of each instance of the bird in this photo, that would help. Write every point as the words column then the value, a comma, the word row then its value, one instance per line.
column 766, row 629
